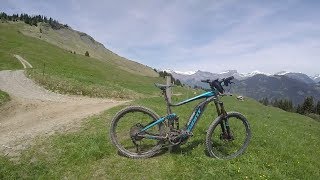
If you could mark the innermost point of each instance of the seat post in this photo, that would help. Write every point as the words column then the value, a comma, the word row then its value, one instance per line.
column 164, row 92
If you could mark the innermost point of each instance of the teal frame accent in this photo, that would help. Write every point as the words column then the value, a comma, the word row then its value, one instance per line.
column 204, row 95
column 196, row 113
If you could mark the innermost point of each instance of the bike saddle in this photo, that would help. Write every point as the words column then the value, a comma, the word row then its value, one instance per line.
column 162, row 86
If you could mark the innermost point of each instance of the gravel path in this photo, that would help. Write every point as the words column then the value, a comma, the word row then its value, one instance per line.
column 35, row 111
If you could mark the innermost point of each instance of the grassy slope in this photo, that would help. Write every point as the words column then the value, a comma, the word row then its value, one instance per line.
column 284, row 146
column 70, row 73
column 70, row 40
column 4, row 97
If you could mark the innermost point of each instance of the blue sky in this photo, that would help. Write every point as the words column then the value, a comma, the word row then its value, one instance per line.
column 185, row 35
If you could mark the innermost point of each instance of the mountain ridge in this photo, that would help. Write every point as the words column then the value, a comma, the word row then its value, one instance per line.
column 282, row 85
column 241, row 76
column 79, row 42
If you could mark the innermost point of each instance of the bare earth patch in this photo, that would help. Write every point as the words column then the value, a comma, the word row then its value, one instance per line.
column 35, row 111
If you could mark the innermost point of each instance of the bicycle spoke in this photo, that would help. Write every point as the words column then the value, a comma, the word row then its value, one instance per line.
column 128, row 135
column 224, row 145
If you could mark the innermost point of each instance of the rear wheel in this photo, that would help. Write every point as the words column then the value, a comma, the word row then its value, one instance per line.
column 223, row 145
column 125, row 126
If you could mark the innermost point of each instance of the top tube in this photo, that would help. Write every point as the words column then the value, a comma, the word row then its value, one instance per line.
column 203, row 95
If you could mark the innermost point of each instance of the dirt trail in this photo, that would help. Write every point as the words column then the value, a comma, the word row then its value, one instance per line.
column 24, row 62
column 35, row 111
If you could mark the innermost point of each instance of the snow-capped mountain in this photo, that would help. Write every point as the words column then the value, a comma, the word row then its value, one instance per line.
column 246, row 75
column 298, row 76
column 256, row 84
column 276, row 87
column 193, row 76
column 316, row 78
column 199, row 75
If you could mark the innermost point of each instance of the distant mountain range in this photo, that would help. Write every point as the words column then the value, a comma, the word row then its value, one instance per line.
column 258, row 85
column 198, row 75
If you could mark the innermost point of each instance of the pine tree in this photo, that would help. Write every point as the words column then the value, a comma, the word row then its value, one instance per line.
column 27, row 20
column 317, row 109
column 299, row 109
column 264, row 101
column 178, row 83
column 50, row 21
column 34, row 22
column 307, row 106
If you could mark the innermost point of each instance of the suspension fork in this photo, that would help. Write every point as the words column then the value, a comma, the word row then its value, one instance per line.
column 216, row 103
column 225, row 128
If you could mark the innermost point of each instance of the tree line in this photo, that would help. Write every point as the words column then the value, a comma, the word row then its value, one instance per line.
column 173, row 80
column 308, row 106
column 32, row 20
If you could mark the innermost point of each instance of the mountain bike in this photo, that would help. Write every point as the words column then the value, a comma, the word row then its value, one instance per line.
column 139, row 132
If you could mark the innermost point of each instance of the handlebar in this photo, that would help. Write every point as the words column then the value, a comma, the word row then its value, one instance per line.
column 227, row 80
column 217, row 84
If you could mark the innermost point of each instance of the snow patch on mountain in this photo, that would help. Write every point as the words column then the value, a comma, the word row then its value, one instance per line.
column 316, row 76
column 179, row 72
column 185, row 72
column 281, row 73
column 253, row 73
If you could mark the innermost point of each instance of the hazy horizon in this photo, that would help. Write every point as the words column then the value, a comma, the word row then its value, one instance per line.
column 210, row 36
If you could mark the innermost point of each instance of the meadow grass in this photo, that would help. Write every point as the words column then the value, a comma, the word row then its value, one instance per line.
column 4, row 97
column 59, row 70
column 284, row 146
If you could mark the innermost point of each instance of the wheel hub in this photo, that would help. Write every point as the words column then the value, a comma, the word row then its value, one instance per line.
column 135, row 130
column 226, row 137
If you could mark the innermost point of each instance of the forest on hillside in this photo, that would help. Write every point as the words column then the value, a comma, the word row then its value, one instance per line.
column 32, row 20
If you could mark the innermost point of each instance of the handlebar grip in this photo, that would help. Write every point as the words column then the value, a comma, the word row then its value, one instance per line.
column 227, row 81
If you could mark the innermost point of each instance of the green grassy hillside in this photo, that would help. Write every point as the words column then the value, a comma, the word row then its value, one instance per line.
column 62, row 71
column 79, row 42
column 283, row 146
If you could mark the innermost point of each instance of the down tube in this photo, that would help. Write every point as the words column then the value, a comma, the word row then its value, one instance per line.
column 196, row 115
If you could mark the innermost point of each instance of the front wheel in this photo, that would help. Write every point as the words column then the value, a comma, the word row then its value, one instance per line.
column 125, row 126
column 228, row 136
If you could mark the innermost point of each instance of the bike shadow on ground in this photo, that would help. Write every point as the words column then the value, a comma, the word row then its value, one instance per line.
column 180, row 149
column 188, row 147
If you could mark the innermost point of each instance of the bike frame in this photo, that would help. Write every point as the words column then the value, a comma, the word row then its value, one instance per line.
column 194, row 117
